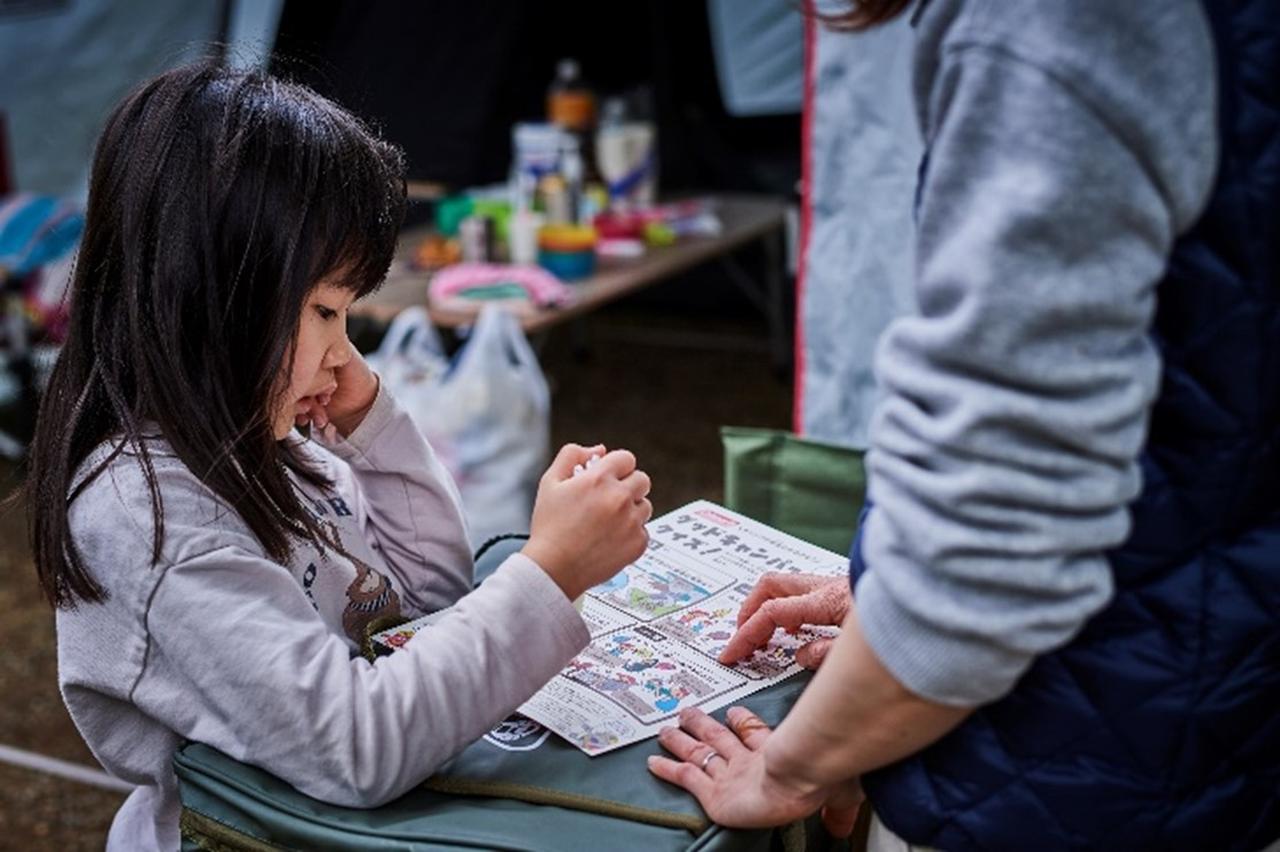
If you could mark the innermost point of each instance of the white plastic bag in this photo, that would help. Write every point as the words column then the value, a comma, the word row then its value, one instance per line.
column 487, row 413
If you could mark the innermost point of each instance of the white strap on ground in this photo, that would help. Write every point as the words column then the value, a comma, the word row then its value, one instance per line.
column 62, row 769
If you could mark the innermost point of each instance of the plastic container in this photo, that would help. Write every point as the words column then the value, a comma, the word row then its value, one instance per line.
column 525, row 225
column 567, row 237
column 536, row 154
column 567, row 251
column 626, row 158
column 614, row 225
column 476, row 234
column 571, row 169
column 568, row 265
column 450, row 212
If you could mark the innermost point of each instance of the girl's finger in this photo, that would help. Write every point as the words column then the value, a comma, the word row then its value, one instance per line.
column 620, row 463
column 569, row 455
column 638, row 484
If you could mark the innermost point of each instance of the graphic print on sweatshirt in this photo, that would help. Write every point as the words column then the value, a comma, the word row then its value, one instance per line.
column 370, row 596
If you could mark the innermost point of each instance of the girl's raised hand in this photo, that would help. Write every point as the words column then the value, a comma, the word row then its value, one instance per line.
column 344, row 404
column 586, row 528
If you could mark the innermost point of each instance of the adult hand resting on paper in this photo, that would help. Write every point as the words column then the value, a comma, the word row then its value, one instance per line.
column 725, row 768
column 585, row 528
column 789, row 601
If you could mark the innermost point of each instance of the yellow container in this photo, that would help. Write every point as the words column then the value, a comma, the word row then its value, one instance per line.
column 566, row 237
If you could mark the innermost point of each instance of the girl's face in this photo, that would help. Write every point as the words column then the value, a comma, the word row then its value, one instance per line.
column 322, row 348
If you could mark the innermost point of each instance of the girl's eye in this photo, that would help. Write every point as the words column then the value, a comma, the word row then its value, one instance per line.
column 325, row 313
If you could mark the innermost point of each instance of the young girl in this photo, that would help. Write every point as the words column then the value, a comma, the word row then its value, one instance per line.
column 214, row 570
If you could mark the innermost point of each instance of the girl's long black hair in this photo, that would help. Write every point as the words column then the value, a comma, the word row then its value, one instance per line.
column 218, row 198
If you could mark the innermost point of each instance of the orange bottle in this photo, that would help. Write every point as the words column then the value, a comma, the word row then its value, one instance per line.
column 570, row 103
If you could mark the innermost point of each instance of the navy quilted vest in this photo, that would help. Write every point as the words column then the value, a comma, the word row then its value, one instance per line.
column 1158, row 727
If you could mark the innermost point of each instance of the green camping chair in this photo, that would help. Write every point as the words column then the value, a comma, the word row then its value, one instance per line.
column 516, row 789
column 810, row 489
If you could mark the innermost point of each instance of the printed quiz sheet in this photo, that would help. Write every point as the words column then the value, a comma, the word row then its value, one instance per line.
column 659, row 624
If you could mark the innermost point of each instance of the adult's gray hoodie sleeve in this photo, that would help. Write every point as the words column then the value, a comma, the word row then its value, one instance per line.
column 1068, row 145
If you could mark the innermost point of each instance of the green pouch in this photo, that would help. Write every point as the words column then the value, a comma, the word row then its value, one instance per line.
column 807, row 488
column 518, row 788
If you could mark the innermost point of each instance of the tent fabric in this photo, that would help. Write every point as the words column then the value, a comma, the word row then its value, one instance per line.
column 759, row 53
column 62, row 68
column 861, row 153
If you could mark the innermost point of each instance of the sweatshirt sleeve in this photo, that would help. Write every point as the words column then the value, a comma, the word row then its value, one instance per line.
column 238, row 659
column 1005, row 450
column 414, row 513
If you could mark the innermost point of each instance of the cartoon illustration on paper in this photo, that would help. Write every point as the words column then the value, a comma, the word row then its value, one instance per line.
column 654, row 587
column 702, row 627
column 630, row 668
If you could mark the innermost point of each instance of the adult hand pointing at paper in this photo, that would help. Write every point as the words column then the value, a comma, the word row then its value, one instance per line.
column 789, row 601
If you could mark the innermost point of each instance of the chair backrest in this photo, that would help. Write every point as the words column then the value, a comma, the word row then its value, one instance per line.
column 810, row 489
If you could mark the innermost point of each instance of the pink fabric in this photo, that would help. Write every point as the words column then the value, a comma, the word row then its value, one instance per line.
column 543, row 288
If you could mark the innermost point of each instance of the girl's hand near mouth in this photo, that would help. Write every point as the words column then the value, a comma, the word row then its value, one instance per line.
column 340, row 406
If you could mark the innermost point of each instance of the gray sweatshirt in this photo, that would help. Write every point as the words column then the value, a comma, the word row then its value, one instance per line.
column 1068, row 144
column 222, row 645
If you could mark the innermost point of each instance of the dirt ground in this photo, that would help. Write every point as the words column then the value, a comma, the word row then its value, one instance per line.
column 664, row 401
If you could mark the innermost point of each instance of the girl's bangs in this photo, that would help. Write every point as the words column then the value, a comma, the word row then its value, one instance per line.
column 358, row 210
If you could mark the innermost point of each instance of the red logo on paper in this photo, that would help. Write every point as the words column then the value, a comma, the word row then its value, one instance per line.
column 716, row 517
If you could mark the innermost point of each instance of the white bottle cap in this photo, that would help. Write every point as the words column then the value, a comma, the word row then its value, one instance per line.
column 567, row 69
